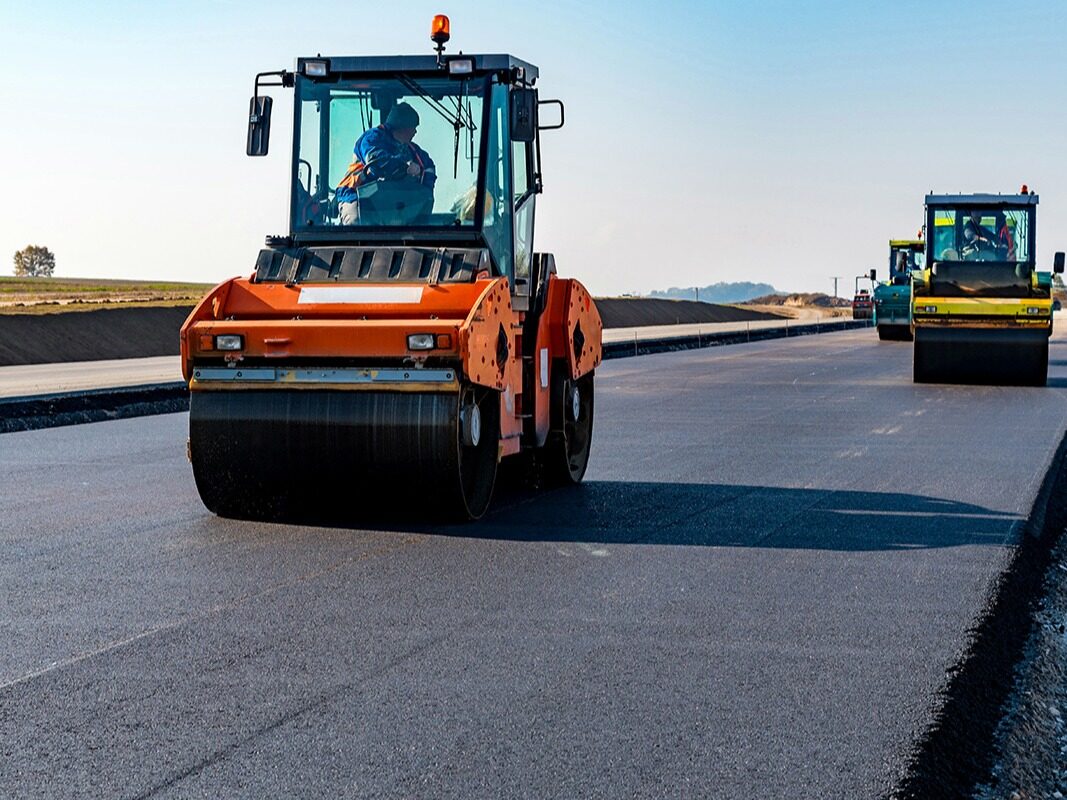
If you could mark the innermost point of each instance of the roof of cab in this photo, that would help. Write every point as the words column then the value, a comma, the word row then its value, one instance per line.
column 417, row 64
column 981, row 199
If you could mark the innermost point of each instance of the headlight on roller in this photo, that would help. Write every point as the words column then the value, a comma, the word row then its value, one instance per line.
column 461, row 66
column 421, row 341
column 229, row 341
column 1033, row 310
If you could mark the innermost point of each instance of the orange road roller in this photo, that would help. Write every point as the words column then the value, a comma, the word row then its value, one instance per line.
column 404, row 337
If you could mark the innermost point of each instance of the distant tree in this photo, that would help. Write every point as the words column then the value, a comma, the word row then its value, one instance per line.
column 34, row 262
column 1057, row 281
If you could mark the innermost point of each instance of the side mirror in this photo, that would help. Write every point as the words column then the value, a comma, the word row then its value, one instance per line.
column 259, row 125
column 874, row 273
column 523, row 115
column 1057, row 263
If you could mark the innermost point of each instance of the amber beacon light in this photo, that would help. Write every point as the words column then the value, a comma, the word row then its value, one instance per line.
column 439, row 29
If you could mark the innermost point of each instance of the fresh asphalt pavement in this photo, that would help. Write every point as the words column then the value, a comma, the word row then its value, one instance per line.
column 774, row 560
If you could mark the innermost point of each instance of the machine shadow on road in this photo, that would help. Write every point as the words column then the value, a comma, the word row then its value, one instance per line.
column 703, row 515
column 717, row 515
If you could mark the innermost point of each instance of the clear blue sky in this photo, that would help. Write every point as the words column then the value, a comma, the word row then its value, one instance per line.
column 767, row 141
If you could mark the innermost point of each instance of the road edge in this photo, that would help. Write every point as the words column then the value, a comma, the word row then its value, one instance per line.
column 957, row 753
column 668, row 344
column 93, row 405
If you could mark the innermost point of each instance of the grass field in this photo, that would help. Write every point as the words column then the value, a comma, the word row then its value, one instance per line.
column 49, row 295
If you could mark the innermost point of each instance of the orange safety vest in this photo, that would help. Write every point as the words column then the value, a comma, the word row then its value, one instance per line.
column 356, row 175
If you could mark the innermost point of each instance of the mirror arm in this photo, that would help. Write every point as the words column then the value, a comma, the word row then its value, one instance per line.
column 259, row 111
column 285, row 79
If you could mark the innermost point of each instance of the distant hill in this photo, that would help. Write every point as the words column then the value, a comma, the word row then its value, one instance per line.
column 719, row 292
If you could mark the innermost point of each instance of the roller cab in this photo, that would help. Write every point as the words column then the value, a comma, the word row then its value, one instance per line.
column 981, row 311
column 892, row 298
column 404, row 337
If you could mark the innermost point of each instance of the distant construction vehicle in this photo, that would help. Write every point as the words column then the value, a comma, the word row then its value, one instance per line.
column 981, row 311
column 862, row 305
column 892, row 298
column 404, row 336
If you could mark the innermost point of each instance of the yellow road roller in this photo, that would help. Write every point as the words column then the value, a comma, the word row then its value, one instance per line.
column 981, row 310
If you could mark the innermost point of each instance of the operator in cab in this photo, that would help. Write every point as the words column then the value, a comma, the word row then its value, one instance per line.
column 977, row 246
column 391, row 179
column 902, row 269
column 1002, row 242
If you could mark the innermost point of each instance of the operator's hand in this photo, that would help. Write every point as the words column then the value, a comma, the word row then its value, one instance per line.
column 414, row 170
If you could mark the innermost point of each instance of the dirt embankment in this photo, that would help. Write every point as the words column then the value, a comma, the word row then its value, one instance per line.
column 139, row 332
column 90, row 335
column 801, row 299
column 637, row 312
column 807, row 306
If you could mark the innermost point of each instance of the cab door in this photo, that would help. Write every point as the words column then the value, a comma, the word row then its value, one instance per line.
column 524, row 200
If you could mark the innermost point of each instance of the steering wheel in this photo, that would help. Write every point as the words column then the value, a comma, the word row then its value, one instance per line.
column 978, row 250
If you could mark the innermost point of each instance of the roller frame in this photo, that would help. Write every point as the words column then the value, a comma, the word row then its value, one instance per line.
column 293, row 399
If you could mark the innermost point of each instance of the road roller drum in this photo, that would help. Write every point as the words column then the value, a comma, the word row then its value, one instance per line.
column 291, row 453
column 981, row 355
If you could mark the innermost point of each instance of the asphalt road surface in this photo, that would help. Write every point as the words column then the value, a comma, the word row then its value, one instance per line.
column 757, row 592
column 75, row 376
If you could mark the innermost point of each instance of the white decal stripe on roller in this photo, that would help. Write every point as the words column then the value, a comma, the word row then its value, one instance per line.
column 360, row 294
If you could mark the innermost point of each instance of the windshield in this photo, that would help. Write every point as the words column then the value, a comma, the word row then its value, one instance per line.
column 982, row 234
column 388, row 153
column 903, row 259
